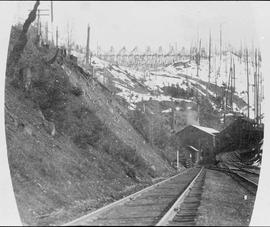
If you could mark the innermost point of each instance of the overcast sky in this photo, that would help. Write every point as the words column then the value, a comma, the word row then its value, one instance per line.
column 152, row 23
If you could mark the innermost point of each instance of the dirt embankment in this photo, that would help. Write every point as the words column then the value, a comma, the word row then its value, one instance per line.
column 224, row 202
column 70, row 150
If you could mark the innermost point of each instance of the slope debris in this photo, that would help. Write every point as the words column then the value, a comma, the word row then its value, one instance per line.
column 70, row 148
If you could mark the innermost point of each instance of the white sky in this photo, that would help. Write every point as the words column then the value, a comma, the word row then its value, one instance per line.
column 152, row 23
column 260, row 216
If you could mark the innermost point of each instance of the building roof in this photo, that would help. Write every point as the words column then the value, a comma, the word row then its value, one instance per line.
column 206, row 129
column 193, row 148
column 210, row 131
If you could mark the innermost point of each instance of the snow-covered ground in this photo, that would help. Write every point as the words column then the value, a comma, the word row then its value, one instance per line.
column 223, row 74
column 127, row 79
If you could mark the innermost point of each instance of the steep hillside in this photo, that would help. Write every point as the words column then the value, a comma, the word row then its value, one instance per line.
column 175, row 83
column 70, row 147
column 136, row 86
column 167, row 99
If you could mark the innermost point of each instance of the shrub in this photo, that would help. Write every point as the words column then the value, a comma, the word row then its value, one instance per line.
column 151, row 172
column 139, row 122
column 49, row 89
column 160, row 136
column 83, row 112
column 130, row 172
column 86, row 128
column 77, row 91
column 84, row 139
column 177, row 92
column 209, row 117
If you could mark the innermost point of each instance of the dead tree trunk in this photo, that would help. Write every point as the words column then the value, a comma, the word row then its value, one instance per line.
column 20, row 44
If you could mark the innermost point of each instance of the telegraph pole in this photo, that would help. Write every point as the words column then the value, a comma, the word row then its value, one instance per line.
column 52, row 21
column 69, row 37
column 190, row 52
column 255, row 88
column 209, row 59
column 259, row 86
column 177, row 159
column 233, row 76
column 172, row 123
column 215, row 66
column 46, row 32
column 227, row 100
column 247, row 82
column 220, row 41
column 231, row 83
column 90, row 54
column 198, row 56
column 87, row 44
column 56, row 36
column 241, row 52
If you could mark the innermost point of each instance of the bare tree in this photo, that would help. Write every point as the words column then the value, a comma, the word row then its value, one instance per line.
column 19, row 46
column 69, row 37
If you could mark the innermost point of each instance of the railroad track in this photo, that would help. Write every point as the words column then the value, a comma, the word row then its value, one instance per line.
column 249, row 184
column 243, row 171
column 233, row 161
column 184, row 210
column 171, row 202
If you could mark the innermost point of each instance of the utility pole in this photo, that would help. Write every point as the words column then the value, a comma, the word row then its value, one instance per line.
column 241, row 52
column 247, row 82
column 56, row 36
column 177, row 159
column 233, row 76
column 215, row 71
column 256, row 87
column 209, row 59
column 69, row 37
column 259, row 86
column 87, row 45
column 151, row 132
column 172, row 123
column 46, row 32
column 228, row 86
column 52, row 21
column 231, row 82
column 220, row 41
column 224, row 101
column 190, row 52
column 198, row 56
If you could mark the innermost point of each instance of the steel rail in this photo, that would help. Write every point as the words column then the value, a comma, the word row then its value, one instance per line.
column 121, row 201
column 168, row 216
column 239, row 177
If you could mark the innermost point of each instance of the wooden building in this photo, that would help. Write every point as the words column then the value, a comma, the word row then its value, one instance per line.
column 200, row 142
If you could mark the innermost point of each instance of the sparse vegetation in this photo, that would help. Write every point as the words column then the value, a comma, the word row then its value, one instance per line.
column 86, row 160
column 207, row 115
column 87, row 128
column 139, row 122
column 89, row 158
column 77, row 91
column 176, row 91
